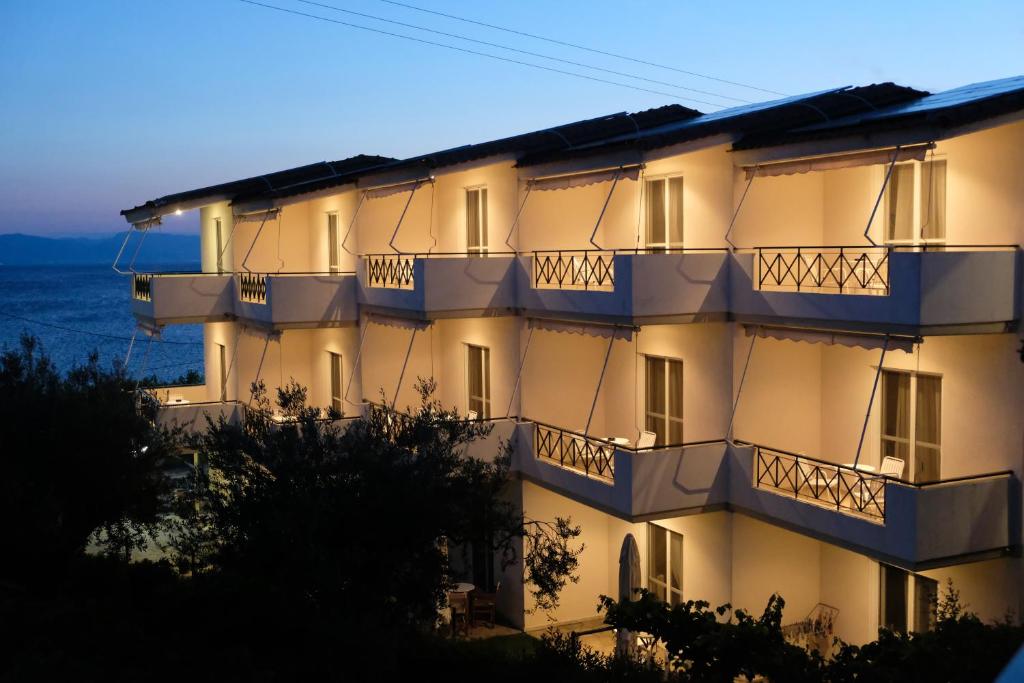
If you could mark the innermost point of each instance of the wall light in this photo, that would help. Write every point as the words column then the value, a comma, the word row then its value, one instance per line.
column 177, row 212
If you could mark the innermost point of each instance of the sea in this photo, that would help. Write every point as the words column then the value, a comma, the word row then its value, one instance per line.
column 78, row 310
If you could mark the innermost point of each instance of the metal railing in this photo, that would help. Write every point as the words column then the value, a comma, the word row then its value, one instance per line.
column 142, row 286
column 390, row 271
column 252, row 288
column 585, row 454
column 834, row 270
column 844, row 488
column 587, row 270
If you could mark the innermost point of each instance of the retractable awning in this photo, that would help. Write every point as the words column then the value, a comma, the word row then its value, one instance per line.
column 571, row 180
column 836, row 161
column 851, row 339
column 591, row 329
column 389, row 190
column 258, row 216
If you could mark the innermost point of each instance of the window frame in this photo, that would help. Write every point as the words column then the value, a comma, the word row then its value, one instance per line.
column 222, row 359
column 482, row 247
column 911, row 441
column 336, row 371
column 666, row 361
column 219, row 236
column 665, row 244
column 333, row 244
column 483, row 412
column 917, row 212
column 913, row 589
column 663, row 588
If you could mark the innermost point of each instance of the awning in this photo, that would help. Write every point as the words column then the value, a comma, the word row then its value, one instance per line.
column 836, row 161
column 258, row 217
column 624, row 332
column 570, row 180
column 852, row 339
column 388, row 190
column 402, row 323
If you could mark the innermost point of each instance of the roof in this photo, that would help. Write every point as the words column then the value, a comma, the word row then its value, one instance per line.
column 277, row 180
column 786, row 113
column 566, row 136
column 941, row 111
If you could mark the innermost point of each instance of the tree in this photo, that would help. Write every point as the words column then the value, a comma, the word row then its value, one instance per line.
column 356, row 523
column 77, row 457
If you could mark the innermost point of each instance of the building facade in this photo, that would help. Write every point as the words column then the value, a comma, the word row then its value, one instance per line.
column 779, row 345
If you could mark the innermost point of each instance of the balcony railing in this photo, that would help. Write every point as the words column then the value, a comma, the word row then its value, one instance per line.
column 831, row 270
column 593, row 457
column 844, row 488
column 252, row 288
column 390, row 271
column 579, row 270
column 142, row 286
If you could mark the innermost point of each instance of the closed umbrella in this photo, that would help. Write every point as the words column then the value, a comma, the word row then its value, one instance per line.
column 629, row 585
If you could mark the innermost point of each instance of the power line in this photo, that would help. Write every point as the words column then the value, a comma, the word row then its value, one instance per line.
column 524, row 52
column 578, row 47
column 87, row 332
column 477, row 53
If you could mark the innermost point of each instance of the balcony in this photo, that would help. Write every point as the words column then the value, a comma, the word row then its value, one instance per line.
column 917, row 525
column 622, row 480
column 428, row 286
column 161, row 298
column 626, row 286
column 911, row 290
column 297, row 299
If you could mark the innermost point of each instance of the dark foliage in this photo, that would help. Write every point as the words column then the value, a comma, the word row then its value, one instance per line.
column 77, row 457
column 355, row 524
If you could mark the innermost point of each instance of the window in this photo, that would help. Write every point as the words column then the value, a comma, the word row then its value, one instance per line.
column 332, row 243
column 220, row 245
column 665, row 564
column 907, row 601
column 664, row 409
column 915, row 202
column 222, row 362
column 912, row 405
column 336, row 383
column 476, row 220
column 665, row 213
column 478, row 381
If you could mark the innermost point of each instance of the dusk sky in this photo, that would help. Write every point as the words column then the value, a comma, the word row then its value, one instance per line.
column 106, row 103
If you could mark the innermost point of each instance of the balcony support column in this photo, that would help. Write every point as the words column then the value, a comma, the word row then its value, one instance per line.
column 519, row 374
column 739, row 391
column 519, row 213
column 600, row 381
column 871, row 401
column 874, row 210
column 607, row 201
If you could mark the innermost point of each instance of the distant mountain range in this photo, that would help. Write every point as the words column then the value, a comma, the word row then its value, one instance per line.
column 159, row 248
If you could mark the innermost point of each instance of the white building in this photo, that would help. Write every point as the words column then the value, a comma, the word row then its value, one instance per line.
column 708, row 331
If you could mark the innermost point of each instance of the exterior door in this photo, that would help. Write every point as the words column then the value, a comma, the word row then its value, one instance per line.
column 476, row 220
column 664, row 399
column 478, row 381
column 220, row 245
column 665, row 563
column 664, row 213
column 332, row 243
column 912, row 422
column 336, row 383
column 222, row 369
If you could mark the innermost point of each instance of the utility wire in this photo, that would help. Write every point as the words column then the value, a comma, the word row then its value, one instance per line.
column 523, row 52
column 477, row 53
column 87, row 332
column 578, row 47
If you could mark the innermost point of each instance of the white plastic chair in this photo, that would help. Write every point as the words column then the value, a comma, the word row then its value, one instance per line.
column 646, row 440
column 892, row 467
column 471, row 415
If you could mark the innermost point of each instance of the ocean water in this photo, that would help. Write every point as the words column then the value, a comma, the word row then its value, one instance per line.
column 75, row 310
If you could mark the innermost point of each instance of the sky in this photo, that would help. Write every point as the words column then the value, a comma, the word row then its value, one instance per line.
column 105, row 104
